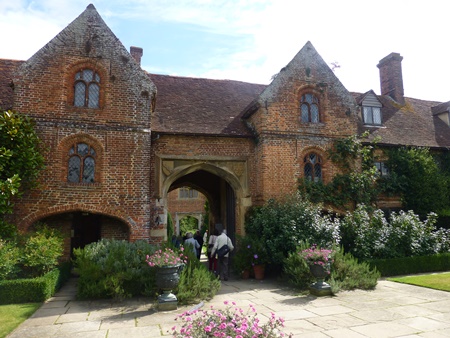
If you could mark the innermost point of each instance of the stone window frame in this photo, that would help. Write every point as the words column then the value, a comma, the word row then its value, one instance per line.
column 187, row 193
column 64, row 154
column 85, row 87
column 71, row 80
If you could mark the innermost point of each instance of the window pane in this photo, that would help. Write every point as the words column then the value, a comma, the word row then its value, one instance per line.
column 82, row 149
column 376, row 115
column 314, row 113
column 88, row 170
column 367, row 115
column 94, row 93
column 317, row 173
column 308, row 171
column 305, row 113
column 80, row 94
column 78, row 76
column 73, row 173
column 97, row 78
column 309, row 98
column 88, row 75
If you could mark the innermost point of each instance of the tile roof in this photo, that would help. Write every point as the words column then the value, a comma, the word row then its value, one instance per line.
column 7, row 68
column 202, row 106
column 412, row 124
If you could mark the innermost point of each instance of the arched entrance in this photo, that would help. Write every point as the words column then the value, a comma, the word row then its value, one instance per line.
column 80, row 228
column 223, row 182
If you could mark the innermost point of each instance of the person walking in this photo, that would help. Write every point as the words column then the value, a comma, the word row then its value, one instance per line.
column 190, row 241
column 212, row 259
column 199, row 240
column 222, row 240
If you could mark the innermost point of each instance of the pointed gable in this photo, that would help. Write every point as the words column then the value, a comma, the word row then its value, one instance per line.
column 86, row 43
column 306, row 97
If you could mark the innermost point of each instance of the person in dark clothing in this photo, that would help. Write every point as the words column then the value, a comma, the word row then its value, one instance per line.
column 199, row 238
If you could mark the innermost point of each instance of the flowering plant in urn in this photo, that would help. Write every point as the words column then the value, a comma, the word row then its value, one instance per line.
column 317, row 256
column 166, row 257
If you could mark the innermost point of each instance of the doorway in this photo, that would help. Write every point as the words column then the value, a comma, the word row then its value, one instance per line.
column 86, row 228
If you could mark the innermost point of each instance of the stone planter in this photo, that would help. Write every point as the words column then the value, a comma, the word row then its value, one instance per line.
column 167, row 279
column 319, row 288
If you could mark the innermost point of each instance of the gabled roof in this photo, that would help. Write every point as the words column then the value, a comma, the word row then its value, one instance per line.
column 7, row 68
column 369, row 94
column 187, row 105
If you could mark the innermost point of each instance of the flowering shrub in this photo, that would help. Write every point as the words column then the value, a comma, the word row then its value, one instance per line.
column 166, row 257
column 318, row 256
column 232, row 322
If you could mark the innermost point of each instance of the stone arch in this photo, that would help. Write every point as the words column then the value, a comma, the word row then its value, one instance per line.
column 222, row 172
column 234, row 198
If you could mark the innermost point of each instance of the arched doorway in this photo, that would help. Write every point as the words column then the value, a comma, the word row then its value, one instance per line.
column 80, row 228
column 222, row 182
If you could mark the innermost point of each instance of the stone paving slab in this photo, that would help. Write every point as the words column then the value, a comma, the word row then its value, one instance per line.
column 391, row 310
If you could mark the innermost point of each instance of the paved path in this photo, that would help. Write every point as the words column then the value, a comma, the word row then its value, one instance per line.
column 391, row 310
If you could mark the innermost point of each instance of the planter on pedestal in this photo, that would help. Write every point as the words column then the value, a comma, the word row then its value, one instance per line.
column 259, row 271
column 167, row 279
column 319, row 288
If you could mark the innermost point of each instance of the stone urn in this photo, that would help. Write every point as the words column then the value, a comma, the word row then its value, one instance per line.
column 167, row 279
column 319, row 288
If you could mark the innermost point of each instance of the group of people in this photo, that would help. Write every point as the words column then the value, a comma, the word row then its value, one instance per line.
column 219, row 265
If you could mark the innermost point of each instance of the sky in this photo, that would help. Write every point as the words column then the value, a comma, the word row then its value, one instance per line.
column 251, row 40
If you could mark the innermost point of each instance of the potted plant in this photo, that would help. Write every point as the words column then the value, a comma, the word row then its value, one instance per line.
column 168, row 264
column 242, row 259
column 259, row 256
column 319, row 261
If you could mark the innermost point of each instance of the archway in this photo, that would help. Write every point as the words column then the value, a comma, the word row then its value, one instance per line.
column 224, row 184
column 81, row 228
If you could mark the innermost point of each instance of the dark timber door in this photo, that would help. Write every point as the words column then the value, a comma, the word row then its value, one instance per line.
column 231, row 213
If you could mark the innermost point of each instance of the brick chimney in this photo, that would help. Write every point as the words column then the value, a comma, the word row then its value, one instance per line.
column 391, row 77
column 136, row 53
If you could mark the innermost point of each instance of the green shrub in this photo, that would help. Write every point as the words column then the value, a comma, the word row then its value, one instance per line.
column 348, row 274
column 412, row 265
column 282, row 225
column 112, row 268
column 9, row 259
column 371, row 236
column 197, row 283
column 41, row 251
column 297, row 270
column 33, row 289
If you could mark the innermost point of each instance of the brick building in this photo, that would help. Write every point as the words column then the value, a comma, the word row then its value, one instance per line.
column 119, row 139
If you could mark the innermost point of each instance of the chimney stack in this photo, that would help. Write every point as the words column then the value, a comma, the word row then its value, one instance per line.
column 136, row 53
column 391, row 77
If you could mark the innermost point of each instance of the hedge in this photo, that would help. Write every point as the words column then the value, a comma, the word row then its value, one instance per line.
column 34, row 289
column 412, row 265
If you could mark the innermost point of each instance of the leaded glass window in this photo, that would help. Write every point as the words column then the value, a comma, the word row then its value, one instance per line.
column 81, row 164
column 313, row 167
column 309, row 108
column 87, row 89
column 372, row 115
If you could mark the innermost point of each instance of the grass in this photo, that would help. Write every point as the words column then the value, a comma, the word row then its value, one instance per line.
column 13, row 315
column 438, row 281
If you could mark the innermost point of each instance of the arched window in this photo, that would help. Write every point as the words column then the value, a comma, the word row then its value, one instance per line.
column 87, row 89
column 309, row 108
column 81, row 164
column 313, row 167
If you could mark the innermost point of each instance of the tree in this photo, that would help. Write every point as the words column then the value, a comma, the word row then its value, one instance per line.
column 21, row 158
